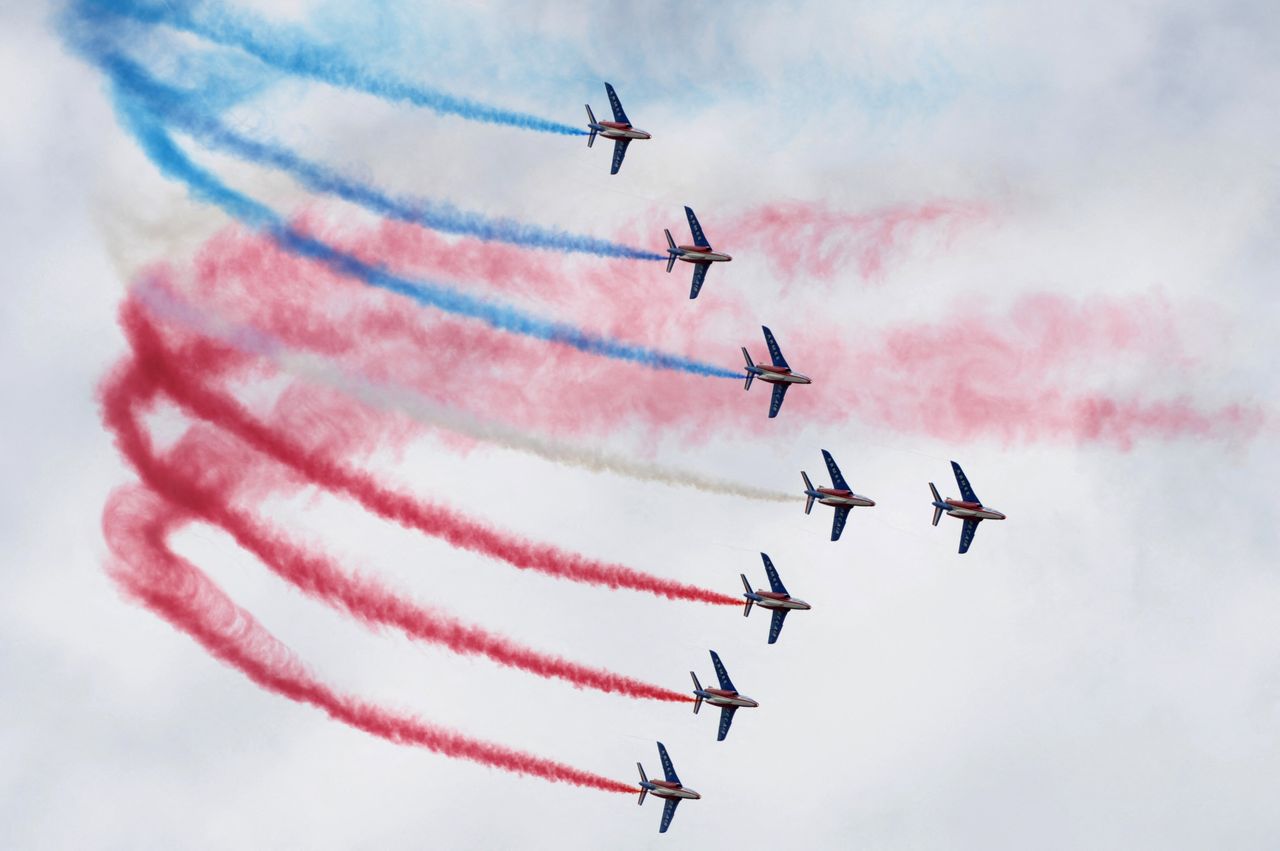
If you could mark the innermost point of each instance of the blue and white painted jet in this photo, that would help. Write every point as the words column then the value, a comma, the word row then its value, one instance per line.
column 778, row 374
column 837, row 496
column 619, row 129
column 726, row 697
column 669, row 789
column 699, row 254
column 969, row 509
column 776, row 599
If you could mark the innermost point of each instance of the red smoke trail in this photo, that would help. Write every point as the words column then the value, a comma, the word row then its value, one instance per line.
column 1024, row 375
column 456, row 362
column 800, row 238
column 160, row 367
column 202, row 470
column 137, row 523
column 1047, row 368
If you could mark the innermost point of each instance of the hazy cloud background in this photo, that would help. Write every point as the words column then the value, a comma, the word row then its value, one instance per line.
column 1102, row 670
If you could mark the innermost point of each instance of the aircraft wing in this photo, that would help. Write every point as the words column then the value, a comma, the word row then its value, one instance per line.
column 774, row 352
column 775, row 584
column 619, row 151
column 668, row 813
column 721, row 674
column 619, row 114
column 668, row 770
column 726, row 718
column 967, row 533
column 699, row 238
column 837, row 480
column 837, row 522
column 966, row 489
column 699, row 275
column 775, row 403
column 775, row 625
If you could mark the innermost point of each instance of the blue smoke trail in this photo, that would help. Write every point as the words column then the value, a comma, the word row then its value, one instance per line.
column 294, row 54
column 444, row 217
column 139, row 118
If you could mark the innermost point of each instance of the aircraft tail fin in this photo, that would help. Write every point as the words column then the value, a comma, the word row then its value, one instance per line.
column 937, row 512
column 808, row 486
column 671, row 250
column 697, row 698
column 643, row 780
column 747, row 585
column 591, row 120
column 750, row 367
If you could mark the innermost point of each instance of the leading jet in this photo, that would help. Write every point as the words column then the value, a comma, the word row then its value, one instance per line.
column 699, row 254
column 776, row 599
column 969, row 509
column 838, row 496
column 670, row 789
column 619, row 129
column 726, row 697
column 779, row 374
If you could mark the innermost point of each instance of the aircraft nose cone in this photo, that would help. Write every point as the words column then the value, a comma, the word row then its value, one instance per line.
column 751, row 703
column 694, row 794
column 804, row 605
column 870, row 502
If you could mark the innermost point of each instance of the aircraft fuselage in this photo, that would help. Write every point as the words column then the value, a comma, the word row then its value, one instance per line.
column 722, row 697
column 618, row 130
column 837, row 497
column 969, row 510
column 780, row 375
column 699, row 254
column 773, row 600
column 667, row 789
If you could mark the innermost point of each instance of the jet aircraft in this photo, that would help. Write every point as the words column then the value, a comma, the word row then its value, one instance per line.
column 619, row 129
column 838, row 496
column 776, row 599
column 669, row 789
column 699, row 254
column 969, row 509
column 778, row 374
column 726, row 697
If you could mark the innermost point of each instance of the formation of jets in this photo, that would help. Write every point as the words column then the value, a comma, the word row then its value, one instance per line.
column 839, row 496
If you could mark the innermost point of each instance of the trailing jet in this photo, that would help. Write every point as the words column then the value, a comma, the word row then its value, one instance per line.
column 669, row 789
column 699, row 254
column 779, row 374
column 776, row 599
column 619, row 129
column 969, row 509
column 838, row 496
column 726, row 697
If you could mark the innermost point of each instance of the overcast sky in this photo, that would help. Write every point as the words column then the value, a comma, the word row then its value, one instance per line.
column 1102, row 670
